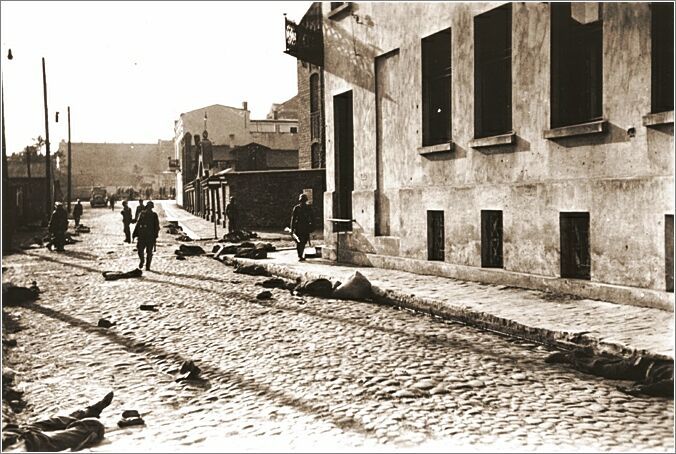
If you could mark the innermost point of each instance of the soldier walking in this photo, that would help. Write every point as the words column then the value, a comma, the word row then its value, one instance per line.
column 139, row 210
column 301, row 225
column 58, row 225
column 146, row 230
column 126, row 220
column 77, row 212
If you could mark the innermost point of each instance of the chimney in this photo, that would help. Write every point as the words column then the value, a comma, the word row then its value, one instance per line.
column 245, row 105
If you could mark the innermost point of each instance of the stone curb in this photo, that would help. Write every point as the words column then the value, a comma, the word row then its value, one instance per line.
column 482, row 320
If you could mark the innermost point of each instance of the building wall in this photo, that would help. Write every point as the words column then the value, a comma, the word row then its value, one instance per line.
column 114, row 165
column 271, row 208
column 624, row 182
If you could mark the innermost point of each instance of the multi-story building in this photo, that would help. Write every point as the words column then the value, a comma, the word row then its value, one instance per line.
column 234, row 136
column 525, row 144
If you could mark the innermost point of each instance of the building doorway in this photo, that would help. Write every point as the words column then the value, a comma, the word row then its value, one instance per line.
column 344, row 158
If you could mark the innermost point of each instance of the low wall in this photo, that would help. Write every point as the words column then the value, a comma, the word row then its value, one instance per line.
column 266, row 198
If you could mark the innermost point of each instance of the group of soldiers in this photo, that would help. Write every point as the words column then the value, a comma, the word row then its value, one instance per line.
column 147, row 226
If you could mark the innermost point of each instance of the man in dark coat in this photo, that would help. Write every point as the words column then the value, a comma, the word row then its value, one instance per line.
column 301, row 225
column 77, row 212
column 58, row 225
column 112, row 202
column 139, row 209
column 231, row 212
column 126, row 220
column 146, row 230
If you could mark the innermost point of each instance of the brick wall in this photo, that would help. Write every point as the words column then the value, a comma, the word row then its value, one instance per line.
column 266, row 199
column 304, row 156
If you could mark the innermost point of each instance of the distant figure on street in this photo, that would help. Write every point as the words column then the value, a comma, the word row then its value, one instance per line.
column 77, row 212
column 139, row 209
column 301, row 225
column 146, row 230
column 232, row 213
column 58, row 225
column 126, row 220
column 112, row 202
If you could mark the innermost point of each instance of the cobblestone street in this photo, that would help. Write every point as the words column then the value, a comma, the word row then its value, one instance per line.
column 291, row 373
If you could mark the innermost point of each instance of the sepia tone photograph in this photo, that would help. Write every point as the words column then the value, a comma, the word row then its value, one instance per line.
column 293, row 226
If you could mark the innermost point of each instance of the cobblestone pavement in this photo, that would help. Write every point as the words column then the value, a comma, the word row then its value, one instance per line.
column 292, row 373
column 617, row 329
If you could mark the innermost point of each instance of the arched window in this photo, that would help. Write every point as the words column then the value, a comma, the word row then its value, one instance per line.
column 314, row 92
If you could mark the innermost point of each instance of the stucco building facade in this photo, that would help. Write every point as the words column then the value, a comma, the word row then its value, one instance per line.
column 526, row 144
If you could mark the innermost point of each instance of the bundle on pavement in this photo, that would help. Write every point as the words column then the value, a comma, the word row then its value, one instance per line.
column 82, row 229
column 13, row 294
column 276, row 282
column 239, row 235
column 115, row 275
column 357, row 287
column 654, row 377
column 252, row 270
column 184, row 238
column 189, row 250
column 320, row 287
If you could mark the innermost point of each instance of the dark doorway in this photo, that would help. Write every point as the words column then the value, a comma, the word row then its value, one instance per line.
column 435, row 235
column 491, row 238
column 669, row 251
column 575, row 257
column 344, row 154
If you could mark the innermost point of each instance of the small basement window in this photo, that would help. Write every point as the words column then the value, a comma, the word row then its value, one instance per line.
column 435, row 235
column 491, row 238
column 575, row 257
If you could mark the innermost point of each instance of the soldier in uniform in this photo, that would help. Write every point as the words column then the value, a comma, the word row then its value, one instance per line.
column 139, row 210
column 146, row 230
column 77, row 212
column 126, row 220
column 231, row 212
column 301, row 225
column 58, row 225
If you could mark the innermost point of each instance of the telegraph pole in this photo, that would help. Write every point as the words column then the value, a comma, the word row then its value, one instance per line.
column 48, row 162
column 6, row 226
column 69, row 161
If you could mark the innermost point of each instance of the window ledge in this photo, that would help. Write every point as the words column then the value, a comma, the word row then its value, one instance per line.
column 440, row 148
column 493, row 141
column 661, row 118
column 337, row 13
column 593, row 127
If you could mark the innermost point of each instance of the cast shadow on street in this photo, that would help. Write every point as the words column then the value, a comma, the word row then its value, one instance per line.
column 312, row 407
column 458, row 345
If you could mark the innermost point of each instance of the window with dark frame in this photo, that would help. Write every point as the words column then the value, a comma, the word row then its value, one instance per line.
column 576, row 68
column 662, row 62
column 491, row 238
column 575, row 255
column 436, row 88
column 435, row 236
column 493, row 72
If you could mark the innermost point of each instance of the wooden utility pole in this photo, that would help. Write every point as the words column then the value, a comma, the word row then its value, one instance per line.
column 69, row 162
column 48, row 162
column 6, row 225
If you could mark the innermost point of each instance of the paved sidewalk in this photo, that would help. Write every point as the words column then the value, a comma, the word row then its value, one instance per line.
column 553, row 319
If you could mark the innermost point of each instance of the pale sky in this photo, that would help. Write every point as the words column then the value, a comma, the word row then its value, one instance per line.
column 128, row 69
